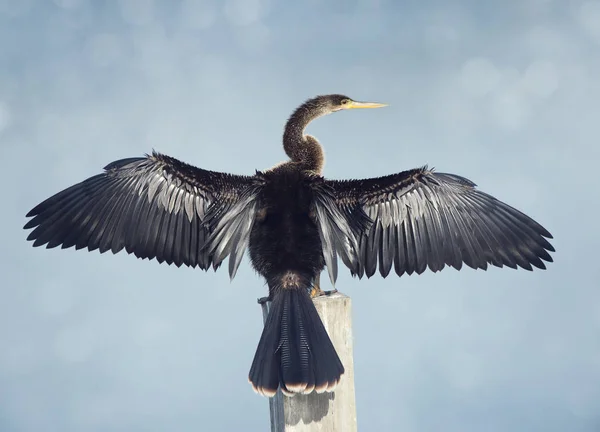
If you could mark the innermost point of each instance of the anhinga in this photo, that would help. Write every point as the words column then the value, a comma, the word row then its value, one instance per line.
column 294, row 223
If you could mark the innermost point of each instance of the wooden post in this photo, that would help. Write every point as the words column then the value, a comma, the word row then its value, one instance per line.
column 325, row 412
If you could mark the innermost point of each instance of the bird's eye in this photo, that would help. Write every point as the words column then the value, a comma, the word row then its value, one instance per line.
column 345, row 101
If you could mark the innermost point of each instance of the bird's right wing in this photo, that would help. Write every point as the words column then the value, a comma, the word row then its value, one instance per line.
column 154, row 207
column 418, row 219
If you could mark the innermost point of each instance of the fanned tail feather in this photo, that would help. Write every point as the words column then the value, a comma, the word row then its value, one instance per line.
column 294, row 351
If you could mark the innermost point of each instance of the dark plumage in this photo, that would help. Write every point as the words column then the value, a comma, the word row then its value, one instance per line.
column 294, row 223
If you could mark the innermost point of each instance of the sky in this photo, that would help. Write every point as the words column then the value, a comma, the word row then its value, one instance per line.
column 504, row 93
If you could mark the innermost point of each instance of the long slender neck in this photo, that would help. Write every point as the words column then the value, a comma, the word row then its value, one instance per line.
column 300, row 148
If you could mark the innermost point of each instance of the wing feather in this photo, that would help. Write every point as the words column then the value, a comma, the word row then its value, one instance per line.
column 421, row 219
column 154, row 207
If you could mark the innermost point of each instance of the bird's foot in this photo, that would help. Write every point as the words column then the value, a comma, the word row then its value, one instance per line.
column 263, row 300
column 316, row 291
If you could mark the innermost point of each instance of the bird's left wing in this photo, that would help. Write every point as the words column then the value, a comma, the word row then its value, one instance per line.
column 154, row 207
column 418, row 219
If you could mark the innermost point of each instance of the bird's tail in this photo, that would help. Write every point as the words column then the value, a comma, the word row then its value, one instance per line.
column 294, row 351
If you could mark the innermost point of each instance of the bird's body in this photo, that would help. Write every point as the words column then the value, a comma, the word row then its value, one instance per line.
column 295, row 223
column 284, row 236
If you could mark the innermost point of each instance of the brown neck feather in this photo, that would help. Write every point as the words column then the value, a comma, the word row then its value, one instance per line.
column 309, row 153
column 300, row 148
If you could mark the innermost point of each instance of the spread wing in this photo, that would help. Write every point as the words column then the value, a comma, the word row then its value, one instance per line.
column 418, row 219
column 153, row 207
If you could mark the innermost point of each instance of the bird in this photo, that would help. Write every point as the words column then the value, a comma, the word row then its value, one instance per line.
column 293, row 223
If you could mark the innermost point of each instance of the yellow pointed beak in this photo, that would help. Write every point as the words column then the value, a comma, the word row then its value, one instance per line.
column 356, row 105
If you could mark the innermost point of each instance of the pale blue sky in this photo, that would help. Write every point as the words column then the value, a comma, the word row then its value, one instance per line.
column 505, row 95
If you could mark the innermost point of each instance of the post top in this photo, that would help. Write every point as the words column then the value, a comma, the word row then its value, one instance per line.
column 333, row 296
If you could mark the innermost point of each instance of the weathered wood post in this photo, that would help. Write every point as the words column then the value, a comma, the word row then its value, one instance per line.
column 325, row 412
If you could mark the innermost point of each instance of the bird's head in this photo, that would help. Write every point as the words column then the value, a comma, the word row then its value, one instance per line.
column 336, row 102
